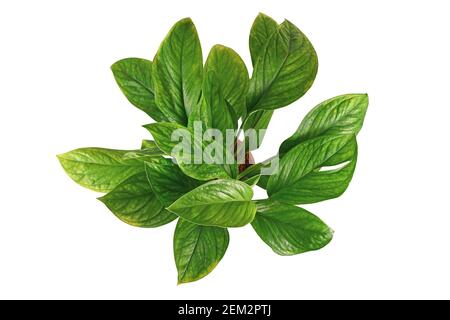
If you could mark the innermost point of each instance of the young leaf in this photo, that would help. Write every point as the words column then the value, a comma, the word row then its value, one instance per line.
column 197, row 249
column 340, row 115
column 284, row 72
column 222, row 203
column 168, row 182
column 134, row 77
column 288, row 229
column 133, row 202
column 225, row 85
column 101, row 169
column 205, row 170
column 305, row 159
column 177, row 72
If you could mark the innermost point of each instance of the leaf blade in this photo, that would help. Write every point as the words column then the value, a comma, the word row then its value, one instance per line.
column 288, row 229
column 133, row 202
column 177, row 72
column 340, row 115
column 100, row 169
column 284, row 72
column 134, row 77
column 221, row 203
column 198, row 249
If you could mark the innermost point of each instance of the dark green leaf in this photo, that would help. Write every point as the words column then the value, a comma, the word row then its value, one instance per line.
column 340, row 115
column 134, row 202
column 201, row 169
column 222, row 203
column 262, row 29
column 168, row 182
column 177, row 72
column 225, row 86
column 299, row 170
column 134, row 77
column 288, row 229
column 101, row 169
column 284, row 72
column 198, row 249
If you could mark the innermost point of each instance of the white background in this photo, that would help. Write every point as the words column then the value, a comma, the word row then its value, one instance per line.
column 57, row 93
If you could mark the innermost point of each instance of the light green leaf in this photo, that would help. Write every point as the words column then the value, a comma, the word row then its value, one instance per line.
column 134, row 77
column 222, row 203
column 101, row 169
column 336, row 116
column 134, row 202
column 284, row 72
column 190, row 161
column 197, row 249
column 177, row 72
column 148, row 144
column 288, row 229
column 151, row 150
column 225, row 86
column 168, row 182
column 303, row 163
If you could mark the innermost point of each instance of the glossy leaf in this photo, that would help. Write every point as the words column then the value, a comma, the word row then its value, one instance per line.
column 257, row 120
column 168, row 182
column 340, row 115
column 225, row 86
column 263, row 27
column 177, row 72
column 198, row 249
column 288, row 229
column 306, row 159
column 222, row 203
column 134, row 77
column 165, row 135
column 101, row 169
column 134, row 202
column 284, row 72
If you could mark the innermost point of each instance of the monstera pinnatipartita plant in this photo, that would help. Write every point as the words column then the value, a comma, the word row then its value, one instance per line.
column 151, row 186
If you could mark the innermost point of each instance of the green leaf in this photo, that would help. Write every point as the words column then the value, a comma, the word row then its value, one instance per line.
column 133, row 202
column 201, row 113
column 197, row 249
column 168, row 182
column 222, row 203
column 177, row 72
column 251, row 175
column 336, row 116
column 144, row 154
column 288, row 229
column 299, row 174
column 101, row 169
column 134, row 77
column 284, row 72
column 201, row 169
column 257, row 120
column 225, row 86
column 263, row 27
column 148, row 144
